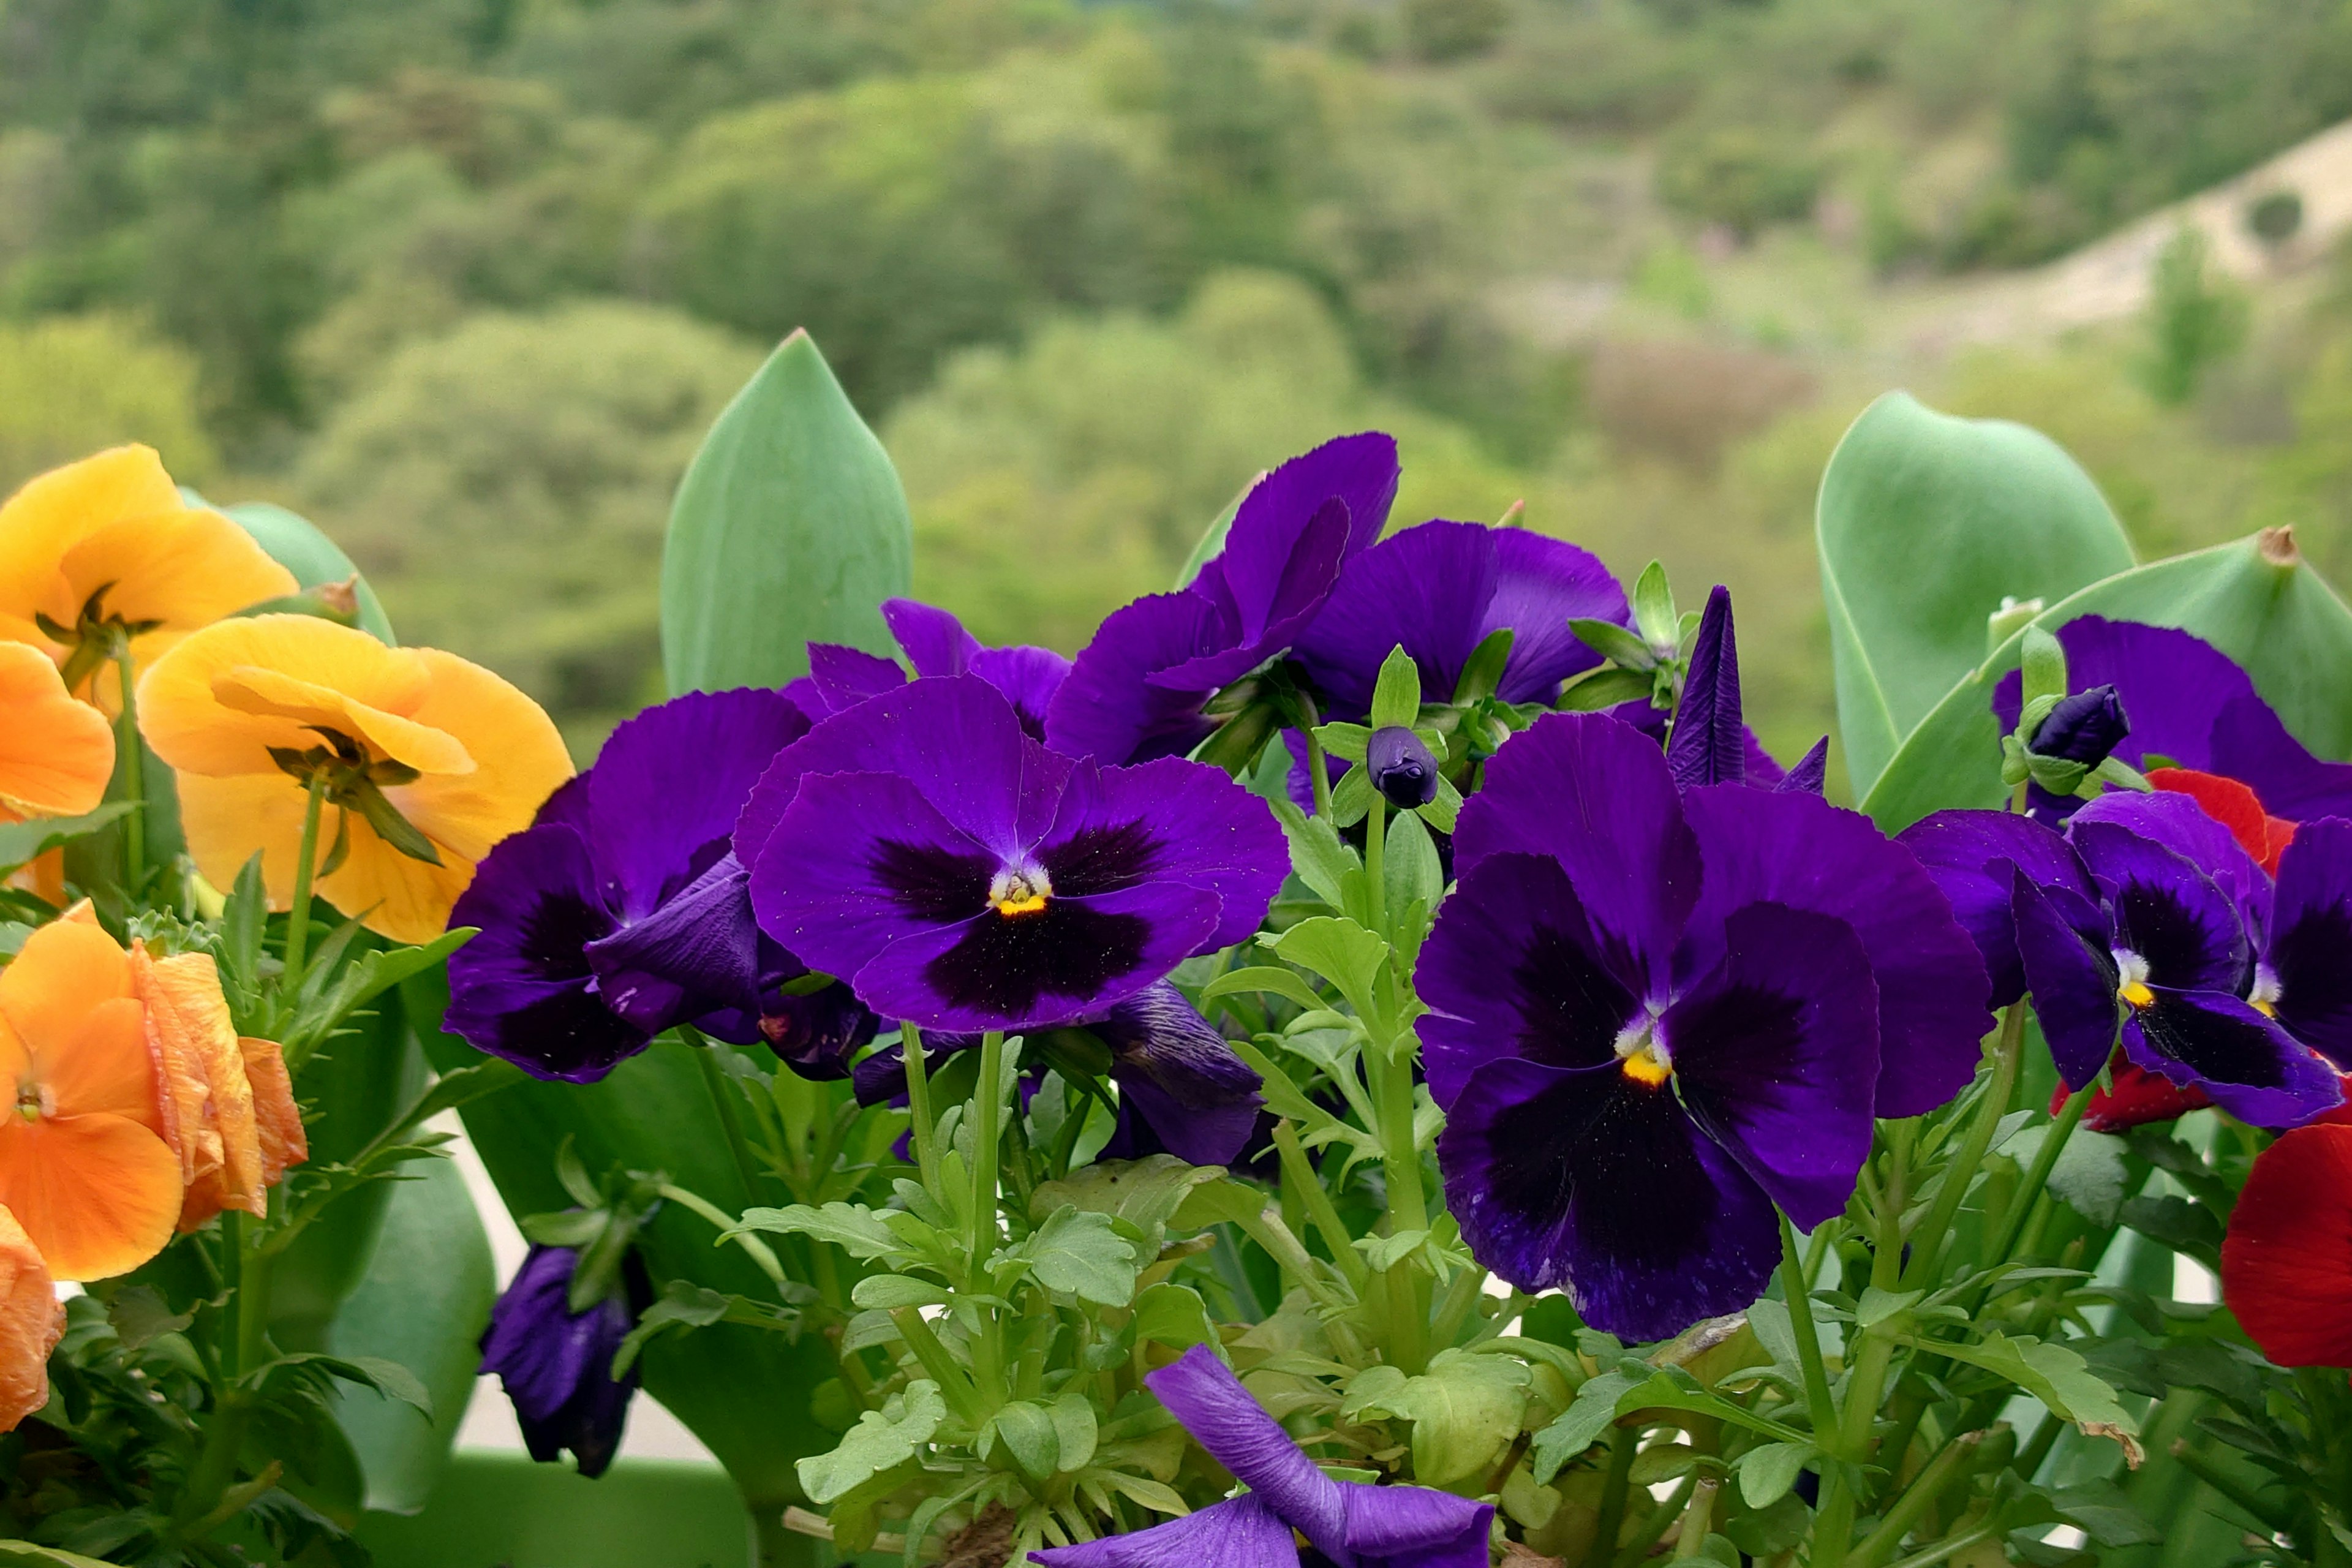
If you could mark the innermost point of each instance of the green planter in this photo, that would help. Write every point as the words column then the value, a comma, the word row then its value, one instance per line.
column 501, row 1510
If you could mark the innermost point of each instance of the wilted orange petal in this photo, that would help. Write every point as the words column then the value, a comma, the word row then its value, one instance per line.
column 32, row 1320
column 190, row 728
column 98, row 1194
column 64, row 970
column 276, row 1120
column 56, row 753
column 206, row 1100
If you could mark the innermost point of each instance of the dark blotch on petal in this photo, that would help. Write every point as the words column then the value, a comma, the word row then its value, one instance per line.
column 1174, row 1069
column 1006, row 963
column 931, row 883
column 2216, row 1046
column 1101, row 858
column 1403, row 771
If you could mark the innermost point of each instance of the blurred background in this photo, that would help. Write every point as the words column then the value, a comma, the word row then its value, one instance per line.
column 464, row 280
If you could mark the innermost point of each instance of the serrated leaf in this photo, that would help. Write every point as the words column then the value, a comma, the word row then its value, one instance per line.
column 854, row 1228
column 790, row 527
column 1341, row 952
column 1465, row 1410
column 1316, row 854
column 1077, row 1253
column 879, row 1442
column 1581, row 1424
column 1146, row 1192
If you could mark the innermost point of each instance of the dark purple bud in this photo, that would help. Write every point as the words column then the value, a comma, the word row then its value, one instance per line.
column 2083, row 728
column 1403, row 769
column 557, row 1365
column 1181, row 1076
column 817, row 1033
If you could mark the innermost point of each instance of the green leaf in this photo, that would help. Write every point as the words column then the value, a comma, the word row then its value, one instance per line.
column 1654, row 609
column 684, row 1305
column 1925, row 522
column 1219, row 1202
column 1146, row 1192
column 1411, row 870
column 296, row 544
column 1173, row 1315
column 1767, row 1470
column 882, row 1292
column 1213, row 538
column 1341, row 952
column 790, row 527
column 1605, row 688
column 1580, row 1425
column 1076, row 1252
column 1073, row 1425
column 1265, row 977
column 2044, row 665
column 1396, row 696
column 2051, row 1373
column 1465, row 1410
column 854, row 1228
column 2272, row 615
column 1316, row 854
column 387, row 1377
column 882, row 1440
column 22, row 842
column 25, row 1554
column 1482, row 672
column 1028, row 1434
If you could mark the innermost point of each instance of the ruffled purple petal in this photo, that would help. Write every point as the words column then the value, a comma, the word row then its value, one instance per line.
column 1029, row 677
column 2290, row 781
column 1540, row 583
column 523, row 989
column 845, row 676
column 697, row 954
column 1595, row 796
column 557, row 1367
column 2181, row 825
column 673, row 779
column 933, row 640
column 567, row 808
column 1174, row 1068
column 1517, row 966
column 1266, row 603
column 1414, row 1527
column 1968, row 853
column 936, row 644
column 2065, row 962
column 1203, row 1392
column 1240, row 1533
column 1801, row 851
column 2310, row 951
column 2166, row 912
column 1167, row 821
column 1709, row 742
column 1108, row 708
column 1587, row 1181
column 1776, row 1054
column 2250, row 1067
column 1810, row 775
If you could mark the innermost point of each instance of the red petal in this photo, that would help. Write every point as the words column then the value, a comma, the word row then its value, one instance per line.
column 2138, row 1097
column 2286, row 1263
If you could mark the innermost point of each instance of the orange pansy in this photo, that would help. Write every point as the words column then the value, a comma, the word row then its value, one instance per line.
column 83, row 1163
column 32, row 1320
column 105, row 547
column 56, row 755
column 207, row 1095
column 461, row 755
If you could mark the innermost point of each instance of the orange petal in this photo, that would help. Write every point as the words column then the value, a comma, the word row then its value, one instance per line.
column 182, row 566
column 183, row 718
column 206, row 1099
column 44, row 877
column 98, row 1194
column 65, row 969
column 32, row 1320
column 56, row 753
column 226, row 820
column 107, row 1067
column 55, row 511
column 276, row 1117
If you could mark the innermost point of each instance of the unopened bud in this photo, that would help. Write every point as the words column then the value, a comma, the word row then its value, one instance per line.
column 2083, row 728
column 1403, row 769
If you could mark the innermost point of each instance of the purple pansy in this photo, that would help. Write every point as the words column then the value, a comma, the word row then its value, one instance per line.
column 1706, row 738
column 557, row 1364
column 1440, row 589
column 960, row 875
column 2189, row 704
column 1352, row 1525
column 935, row 643
column 1658, row 1013
column 622, row 911
column 1136, row 689
column 2146, row 922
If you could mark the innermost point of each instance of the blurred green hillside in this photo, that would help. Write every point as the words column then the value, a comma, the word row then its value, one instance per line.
column 465, row 280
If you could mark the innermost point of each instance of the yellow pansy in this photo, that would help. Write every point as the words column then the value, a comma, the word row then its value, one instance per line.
column 423, row 761
column 105, row 548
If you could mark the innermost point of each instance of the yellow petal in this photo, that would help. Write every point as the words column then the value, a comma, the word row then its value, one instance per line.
column 56, row 755
column 520, row 758
column 184, row 567
column 32, row 1320
column 226, row 820
column 98, row 1194
column 249, row 688
column 55, row 511
column 187, row 724
column 404, row 899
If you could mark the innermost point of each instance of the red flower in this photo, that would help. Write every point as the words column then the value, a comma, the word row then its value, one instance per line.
column 2286, row 1263
column 2138, row 1098
column 2235, row 807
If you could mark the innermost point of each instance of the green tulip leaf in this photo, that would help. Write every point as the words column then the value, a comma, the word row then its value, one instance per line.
column 789, row 528
column 296, row 544
column 1926, row 523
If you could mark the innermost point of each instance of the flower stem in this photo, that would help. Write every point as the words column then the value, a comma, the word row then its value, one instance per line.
column 759, row 1251
column 1299, row 1174
column 988, row 1128
column 1927, row 1241
column 1917, row 1499
column 1613, row 1488
column 134, row 772
column 919, row 1102
column 722, row 1101
column 1376, row 893
column 1696, row 1519
column 1795, row 1284
column 1319, row 775
column 298, row 914
column 2037, row 1176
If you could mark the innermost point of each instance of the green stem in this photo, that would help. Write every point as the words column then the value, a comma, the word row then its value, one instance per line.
column 1635, row 1549
column 134, row 772
column 2205, row 1471
column 1613, row 1486
column 918, row 1103
column 1697, row 1518
column 1376, row 893
column 1299, row 1174
column 1913, row 1505
column 1319, row 776
column 298, row 913
column 1927, row 1241
column 1797, row 1286
column 943, row 1369
column 1460, row 1297
column 1408, row 1209
column 1886, row 1263
column 1944, row 1551
column 722, row 1101
column 988, row 1100
column 757, row 1250
column 2037, row 1176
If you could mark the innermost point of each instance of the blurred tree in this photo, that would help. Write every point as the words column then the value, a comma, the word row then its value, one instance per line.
column 2193, row 321
column 69, row 386
column 506, row 486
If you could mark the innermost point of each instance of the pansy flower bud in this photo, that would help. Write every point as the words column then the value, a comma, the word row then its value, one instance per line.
column 1403, row 771
column 557, row 1364
column 2083, row 728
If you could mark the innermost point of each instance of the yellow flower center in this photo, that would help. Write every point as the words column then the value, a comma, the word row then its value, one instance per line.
column 1013, row 894
column 1642, row 1055
column 2131, row 976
